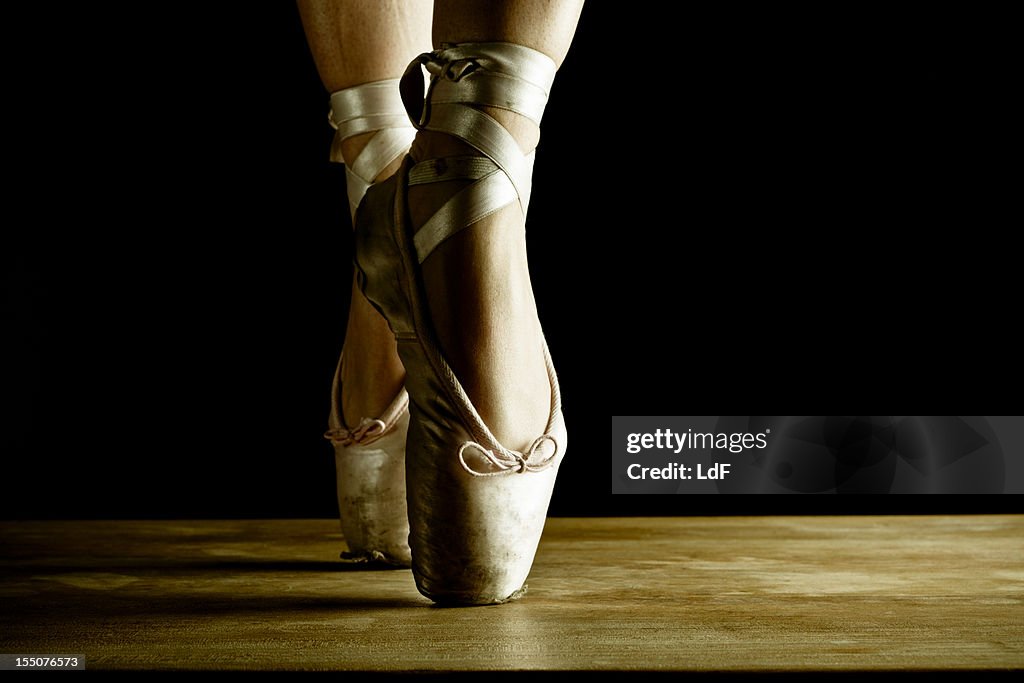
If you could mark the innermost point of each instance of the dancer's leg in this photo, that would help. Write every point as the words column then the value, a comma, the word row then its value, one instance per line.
column 477, row 282
column 356, row 42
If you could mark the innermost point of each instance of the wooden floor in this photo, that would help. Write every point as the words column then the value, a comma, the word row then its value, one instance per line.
column 702, row 594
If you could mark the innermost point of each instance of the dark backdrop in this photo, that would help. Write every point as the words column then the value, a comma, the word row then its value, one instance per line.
column 744, row 209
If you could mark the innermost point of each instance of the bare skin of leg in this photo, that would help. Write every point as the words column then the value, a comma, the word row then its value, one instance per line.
column 355, row 42
column 478, row 281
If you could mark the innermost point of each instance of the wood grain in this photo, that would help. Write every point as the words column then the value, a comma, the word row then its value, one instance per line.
column 698, row 594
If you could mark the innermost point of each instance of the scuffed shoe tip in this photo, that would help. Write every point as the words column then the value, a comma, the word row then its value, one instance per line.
column 472, row 600
column 375, row 557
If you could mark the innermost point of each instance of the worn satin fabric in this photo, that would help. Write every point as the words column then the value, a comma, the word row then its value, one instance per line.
column 372, row 497
column 370, row 468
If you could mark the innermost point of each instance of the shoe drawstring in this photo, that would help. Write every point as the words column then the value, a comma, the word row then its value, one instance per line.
column 368, row 428
column 514, row 462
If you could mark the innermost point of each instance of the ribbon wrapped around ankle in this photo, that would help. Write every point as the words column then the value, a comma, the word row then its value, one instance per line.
column 464, row 79
column 367, row 429
column 510, row 462
column 504, row 75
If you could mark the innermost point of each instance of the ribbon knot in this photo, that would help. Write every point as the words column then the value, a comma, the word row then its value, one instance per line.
column 367, row 429
column 449, row 69
column 510, row 462
column 440, row 67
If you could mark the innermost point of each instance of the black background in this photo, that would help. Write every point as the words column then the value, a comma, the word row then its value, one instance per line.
column 736, row 210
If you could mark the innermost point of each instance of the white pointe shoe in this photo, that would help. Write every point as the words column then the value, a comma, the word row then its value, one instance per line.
column 370, row 464
column 476, row 508
column 370, row 457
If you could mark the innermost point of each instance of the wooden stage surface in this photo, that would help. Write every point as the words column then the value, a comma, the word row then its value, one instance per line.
column 697, row 594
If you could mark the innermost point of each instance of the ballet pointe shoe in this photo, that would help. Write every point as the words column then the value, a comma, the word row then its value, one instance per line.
column 370, row 457
column 370, row 465
column 476, row 508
